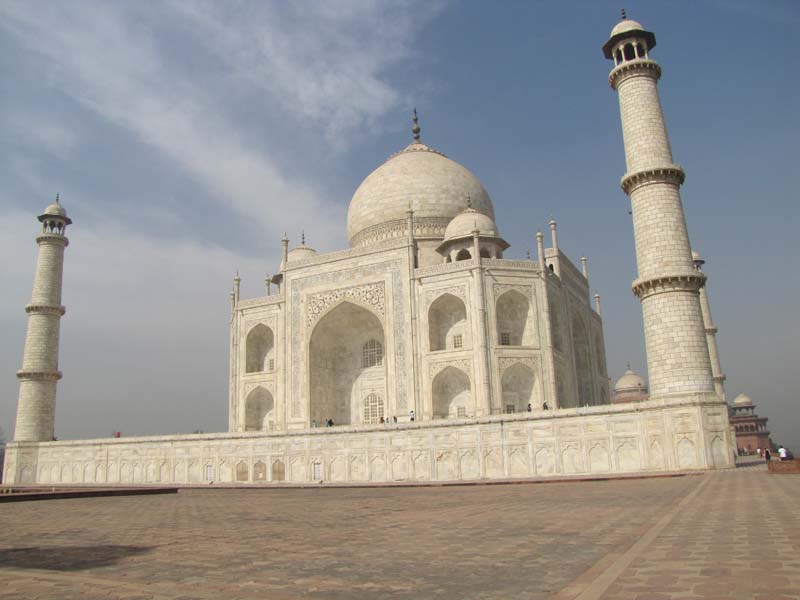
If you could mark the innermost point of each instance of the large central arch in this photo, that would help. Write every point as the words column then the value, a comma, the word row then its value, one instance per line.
column 347, row 367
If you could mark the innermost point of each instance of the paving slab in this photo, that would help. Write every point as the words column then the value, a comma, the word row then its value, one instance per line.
column 687, row 537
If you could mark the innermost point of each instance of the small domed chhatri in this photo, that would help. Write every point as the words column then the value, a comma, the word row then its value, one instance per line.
column 743, row 400
column 55, row 210
column 467, row 222
column 631, row 387
column 302, row 251
column 418, row 177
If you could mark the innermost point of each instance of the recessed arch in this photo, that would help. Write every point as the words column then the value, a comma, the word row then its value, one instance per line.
column 447, row 320
column 555, row 323
column 580, row 347
column 519, row 389
column 346, row 363
column 512, row 311
column 452, row 394
column 259, row 348
column 463, row 254
column 258, row 409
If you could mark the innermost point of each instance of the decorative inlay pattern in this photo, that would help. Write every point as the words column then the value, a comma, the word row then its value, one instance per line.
column 463, row 364
column 500, row 263
column 371, row 295
column 262, row 301
column 532, row 362
column 424, row 227
column 267, row 385
column 459, row 291
column 502, row 288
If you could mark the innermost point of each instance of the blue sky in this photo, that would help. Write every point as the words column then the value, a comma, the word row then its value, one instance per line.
column 185, row 137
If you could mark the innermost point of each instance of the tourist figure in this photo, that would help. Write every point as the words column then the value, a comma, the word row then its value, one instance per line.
column 314, row 423
column 767, row 454
column 544, row 406
column 382, row 420
column 411, row 415
column 394, row 419
column 529, row 408
column 782, row 452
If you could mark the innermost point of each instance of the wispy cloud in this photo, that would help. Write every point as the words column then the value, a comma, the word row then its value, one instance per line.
column 319, row 64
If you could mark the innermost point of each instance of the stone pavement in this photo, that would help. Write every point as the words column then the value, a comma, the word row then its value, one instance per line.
column 686, row 537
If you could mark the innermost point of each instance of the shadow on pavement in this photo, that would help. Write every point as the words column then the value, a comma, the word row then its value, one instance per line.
column 67, row 558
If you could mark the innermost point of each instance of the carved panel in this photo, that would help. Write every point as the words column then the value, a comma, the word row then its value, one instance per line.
column 371, row 295
column 532, row 362
column 502, row 288
column 459, row 291
column 463, row 364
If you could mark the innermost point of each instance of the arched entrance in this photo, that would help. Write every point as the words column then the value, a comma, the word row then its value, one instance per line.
column 518, row 389
column 347, row 365
column 513, row 328
column 258, row 410
column 452, row 395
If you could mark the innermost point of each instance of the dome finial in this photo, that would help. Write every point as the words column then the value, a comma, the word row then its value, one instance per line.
column 624, row 16
column 629, row 366
column 415, row 128
column 302, row 237
column 58, row 198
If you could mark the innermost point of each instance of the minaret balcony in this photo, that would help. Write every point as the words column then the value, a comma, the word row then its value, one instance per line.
column 634, row 68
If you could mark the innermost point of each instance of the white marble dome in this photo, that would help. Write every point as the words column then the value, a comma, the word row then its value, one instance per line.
column 435, row 187
column 626, row 25
column 300, row 252
column 630, row 382
column 55, row 210
column 468, row 221
column 743, row 400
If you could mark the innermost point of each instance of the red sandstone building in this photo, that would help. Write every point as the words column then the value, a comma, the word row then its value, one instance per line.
column 751, row 430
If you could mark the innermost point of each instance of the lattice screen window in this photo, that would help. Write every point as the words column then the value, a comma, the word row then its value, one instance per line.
column 505, row 339
column 373, row 408
column 271, row 366
column 510, row 408
column 458, row 341
column 372, row 354
column 461, row 411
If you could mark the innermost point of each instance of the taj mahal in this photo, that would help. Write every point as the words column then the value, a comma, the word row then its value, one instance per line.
column 420, row 353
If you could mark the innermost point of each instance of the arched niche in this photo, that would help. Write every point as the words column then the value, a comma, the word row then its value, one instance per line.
column 519, row 389
column 258, row 410
column 580, row 346
column 600, row 354
column 555, row 323
column 513, row 319
column 447, row 324
column 463, row 254
column 452, row 394
column 347, row 363
column 259, row 348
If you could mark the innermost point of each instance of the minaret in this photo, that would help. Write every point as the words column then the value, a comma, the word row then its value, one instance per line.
column 711, row 332
column 667, row 284
column 36, row 408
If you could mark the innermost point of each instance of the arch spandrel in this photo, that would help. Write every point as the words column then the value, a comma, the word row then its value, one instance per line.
column 371, row 296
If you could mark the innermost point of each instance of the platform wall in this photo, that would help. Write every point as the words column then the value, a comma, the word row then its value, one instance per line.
column 682, row 434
